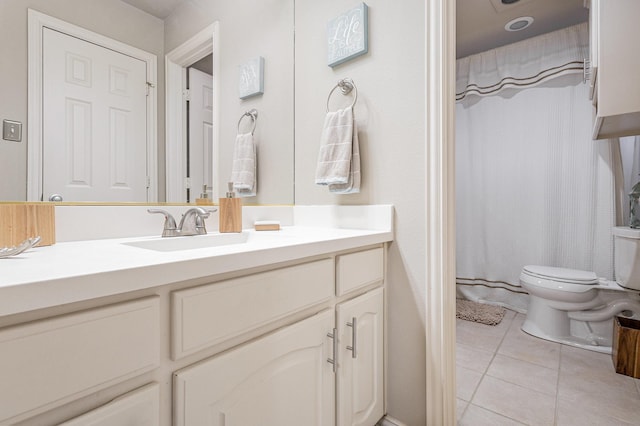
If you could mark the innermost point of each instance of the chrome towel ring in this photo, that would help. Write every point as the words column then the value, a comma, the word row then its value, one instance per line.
column 346, row 85
column 253, row 113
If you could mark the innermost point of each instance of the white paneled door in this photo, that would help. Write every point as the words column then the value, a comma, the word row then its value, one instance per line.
column 200, row 131
column 94, row 122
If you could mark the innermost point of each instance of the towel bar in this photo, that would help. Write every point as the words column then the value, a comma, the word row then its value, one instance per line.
column 253, row 113
column 346, row 85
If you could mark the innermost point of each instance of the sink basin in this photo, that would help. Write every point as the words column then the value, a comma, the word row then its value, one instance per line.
column 190, row 243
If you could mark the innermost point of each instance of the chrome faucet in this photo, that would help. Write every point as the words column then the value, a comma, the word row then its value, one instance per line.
column 192, row 222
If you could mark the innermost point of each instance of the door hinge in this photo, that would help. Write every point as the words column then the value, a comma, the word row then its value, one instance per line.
column 187, row 183
column 148, row 182
column 186, row 94
column 150, row 86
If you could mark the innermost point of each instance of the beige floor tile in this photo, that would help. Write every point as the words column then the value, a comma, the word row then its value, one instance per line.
column 525, row 374
column 515, row 402
column 473, row 358
column 477, row 416
column 479, row 336
column 461, row 406
column 466, row 382
column 509, row 315
column 595, row 368
column 570, row 413
column 520, row 345
column 610, row 400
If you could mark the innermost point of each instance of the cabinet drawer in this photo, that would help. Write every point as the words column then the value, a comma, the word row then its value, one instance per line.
column 210, row 314
column 47, row 363
column 355, row 270
column 140, row 407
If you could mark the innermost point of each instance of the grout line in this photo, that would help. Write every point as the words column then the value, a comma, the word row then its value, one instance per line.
column 555, row 412
column 493, row 356
column 496, row 413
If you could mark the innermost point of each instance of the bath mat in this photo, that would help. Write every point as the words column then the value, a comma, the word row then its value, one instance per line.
column 479, row 312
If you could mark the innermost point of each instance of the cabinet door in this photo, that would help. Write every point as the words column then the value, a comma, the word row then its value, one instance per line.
column 281, row 379
column 360, row 387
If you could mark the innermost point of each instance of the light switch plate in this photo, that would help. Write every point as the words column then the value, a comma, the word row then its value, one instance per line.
column 11, row 130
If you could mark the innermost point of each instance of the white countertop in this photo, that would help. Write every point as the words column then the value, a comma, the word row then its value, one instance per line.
column 74, row 271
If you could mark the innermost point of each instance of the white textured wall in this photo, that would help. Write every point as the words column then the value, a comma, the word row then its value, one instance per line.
column 111, row 18
column 250, row 28
column 391, row 117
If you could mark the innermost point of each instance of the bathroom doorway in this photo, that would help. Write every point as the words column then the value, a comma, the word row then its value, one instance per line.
column 177, row 63
column 200, row 131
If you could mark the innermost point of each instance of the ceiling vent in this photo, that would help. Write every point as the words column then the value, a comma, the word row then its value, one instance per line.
column 519, row 24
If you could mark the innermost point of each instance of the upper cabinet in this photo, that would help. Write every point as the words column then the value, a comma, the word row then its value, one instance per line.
column 615, row 64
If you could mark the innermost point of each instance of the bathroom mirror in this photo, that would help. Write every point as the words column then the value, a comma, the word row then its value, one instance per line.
column 246, row 30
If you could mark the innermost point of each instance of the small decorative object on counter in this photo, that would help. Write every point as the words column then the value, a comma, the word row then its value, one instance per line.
column 634, row 209
column 266, row 225
column 230, row 212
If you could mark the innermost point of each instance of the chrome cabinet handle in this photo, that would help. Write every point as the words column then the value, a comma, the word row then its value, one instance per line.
column 354, row 336
column 333, row 335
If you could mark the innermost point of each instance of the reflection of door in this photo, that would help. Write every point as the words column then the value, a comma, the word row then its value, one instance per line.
column 200, row 131
column 94, row 122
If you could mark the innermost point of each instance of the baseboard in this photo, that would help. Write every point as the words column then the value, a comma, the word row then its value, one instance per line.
column 390, row 421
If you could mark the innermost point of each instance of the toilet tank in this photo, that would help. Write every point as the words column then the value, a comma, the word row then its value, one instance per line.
column 626, row 259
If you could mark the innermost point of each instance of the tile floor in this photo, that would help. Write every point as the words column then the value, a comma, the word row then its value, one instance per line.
column 507, row 377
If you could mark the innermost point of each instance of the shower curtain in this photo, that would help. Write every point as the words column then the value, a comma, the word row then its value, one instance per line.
column 532, row 187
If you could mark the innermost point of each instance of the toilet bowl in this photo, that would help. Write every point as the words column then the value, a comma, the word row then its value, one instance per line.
column 576, row 307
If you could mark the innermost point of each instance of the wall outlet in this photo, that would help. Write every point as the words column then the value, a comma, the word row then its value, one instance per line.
column 11, row 130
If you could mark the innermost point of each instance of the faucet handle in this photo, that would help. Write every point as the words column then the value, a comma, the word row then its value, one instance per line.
column 170, row 228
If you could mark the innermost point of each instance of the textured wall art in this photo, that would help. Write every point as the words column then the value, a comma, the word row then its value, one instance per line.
column 347, row 35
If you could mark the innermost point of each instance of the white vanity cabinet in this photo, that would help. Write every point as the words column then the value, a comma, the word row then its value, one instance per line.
column 299, row 341
column 615, row 63
column 326, row 369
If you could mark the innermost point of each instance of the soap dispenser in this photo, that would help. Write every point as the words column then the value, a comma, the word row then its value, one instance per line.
column 230, row 212
column 204, row 199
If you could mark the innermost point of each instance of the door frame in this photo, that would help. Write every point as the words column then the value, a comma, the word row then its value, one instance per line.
column 197, row 47
column 440, row 267
column 37, row 21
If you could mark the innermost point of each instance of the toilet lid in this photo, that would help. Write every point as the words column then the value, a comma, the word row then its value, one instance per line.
column 565, row 275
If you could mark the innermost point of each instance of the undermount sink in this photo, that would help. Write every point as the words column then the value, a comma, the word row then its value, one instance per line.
column 190, row 243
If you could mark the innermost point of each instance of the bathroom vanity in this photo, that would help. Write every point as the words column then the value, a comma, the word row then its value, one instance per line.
column 283, row 328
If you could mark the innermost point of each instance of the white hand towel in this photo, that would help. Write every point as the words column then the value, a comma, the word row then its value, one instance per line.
column 353, row 184
column 243, row 170
column 334, row 158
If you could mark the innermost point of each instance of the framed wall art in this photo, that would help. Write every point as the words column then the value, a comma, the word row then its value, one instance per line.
column 251, row 78
column 348, row 35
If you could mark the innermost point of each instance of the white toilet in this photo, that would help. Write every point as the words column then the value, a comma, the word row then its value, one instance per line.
column 576, row 307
